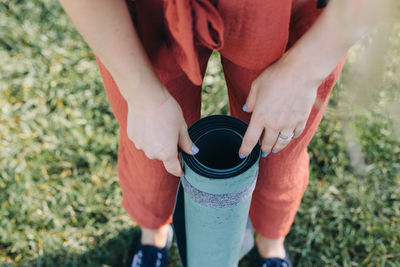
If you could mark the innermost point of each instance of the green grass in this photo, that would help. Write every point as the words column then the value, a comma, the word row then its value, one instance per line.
column 59, row 191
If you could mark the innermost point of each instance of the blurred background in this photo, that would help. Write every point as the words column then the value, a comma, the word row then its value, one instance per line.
column 59, row 190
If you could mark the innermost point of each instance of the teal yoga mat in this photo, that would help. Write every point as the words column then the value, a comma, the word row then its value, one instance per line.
column 214, row 195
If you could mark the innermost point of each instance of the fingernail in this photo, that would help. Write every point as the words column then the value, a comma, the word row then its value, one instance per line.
column 244, row 107
column 274, row 151
column 242, row 156
column 195, row 149
column 264, row 155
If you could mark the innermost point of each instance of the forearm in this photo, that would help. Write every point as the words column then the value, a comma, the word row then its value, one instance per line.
column 339, row 27
column 107, row 28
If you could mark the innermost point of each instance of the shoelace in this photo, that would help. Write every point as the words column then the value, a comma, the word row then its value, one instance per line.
column 159, row 258
column 138, row 259
column 276, row 262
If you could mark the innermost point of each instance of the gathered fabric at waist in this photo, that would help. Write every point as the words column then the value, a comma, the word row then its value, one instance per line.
column 250, row 33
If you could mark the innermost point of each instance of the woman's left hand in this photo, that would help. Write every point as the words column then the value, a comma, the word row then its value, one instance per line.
column 281, row 99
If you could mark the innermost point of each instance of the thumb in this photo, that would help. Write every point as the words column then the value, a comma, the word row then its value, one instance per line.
column 185, row 143
column 251, row 99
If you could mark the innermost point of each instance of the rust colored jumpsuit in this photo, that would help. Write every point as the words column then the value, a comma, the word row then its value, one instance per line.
column 179, row 36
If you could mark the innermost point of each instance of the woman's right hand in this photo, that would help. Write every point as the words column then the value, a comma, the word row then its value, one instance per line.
column 155, row 121
column 158, row 128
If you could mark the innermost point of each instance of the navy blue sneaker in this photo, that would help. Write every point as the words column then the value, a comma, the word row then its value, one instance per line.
column 151, row 256
column 274, row 262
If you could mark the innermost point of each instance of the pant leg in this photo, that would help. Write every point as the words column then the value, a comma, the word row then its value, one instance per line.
column 148, row 191
column 283, row 177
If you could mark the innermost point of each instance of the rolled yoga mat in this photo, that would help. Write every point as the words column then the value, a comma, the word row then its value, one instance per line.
column 213, row 198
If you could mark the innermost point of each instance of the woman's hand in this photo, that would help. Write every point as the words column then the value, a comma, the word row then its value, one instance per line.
column 158, row 128
column 155, row 122
column 280, row 99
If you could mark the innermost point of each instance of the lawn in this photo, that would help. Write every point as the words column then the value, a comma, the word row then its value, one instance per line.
column 59, row 190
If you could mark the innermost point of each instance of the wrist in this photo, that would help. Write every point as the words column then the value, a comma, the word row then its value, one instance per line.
column 304, row 69
column 142, row 91
column 315, row 55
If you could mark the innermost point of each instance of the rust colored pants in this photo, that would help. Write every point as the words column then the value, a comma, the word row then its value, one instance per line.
column 250, row 35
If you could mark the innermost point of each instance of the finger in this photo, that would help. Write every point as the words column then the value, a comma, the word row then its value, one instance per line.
column 137, row 146
column 281, row 142
column 299, row 130
column 173, row 166
column 268, row 141
column 185, row 143
column 250, row 138
column 251, row 99
column 135, row 141
column 149, row 155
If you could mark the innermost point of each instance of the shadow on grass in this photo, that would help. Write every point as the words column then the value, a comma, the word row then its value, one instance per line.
column 115, row 252
column 250, row 260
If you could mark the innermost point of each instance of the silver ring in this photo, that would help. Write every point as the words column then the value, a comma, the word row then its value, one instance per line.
column 286, row 138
